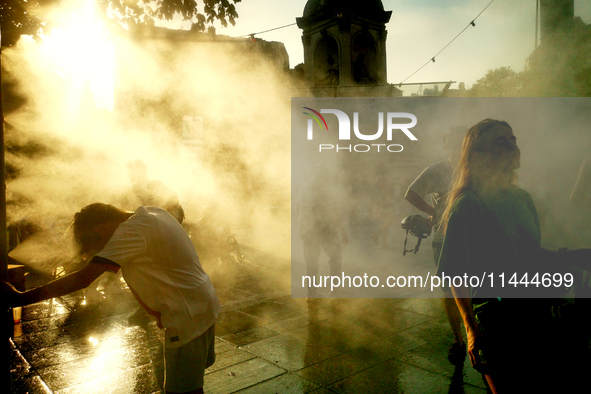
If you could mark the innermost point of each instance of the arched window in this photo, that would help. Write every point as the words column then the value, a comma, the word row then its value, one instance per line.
column 326, row 62
column 364, row 58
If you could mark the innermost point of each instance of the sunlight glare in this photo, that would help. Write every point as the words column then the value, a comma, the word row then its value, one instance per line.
column 80, row 49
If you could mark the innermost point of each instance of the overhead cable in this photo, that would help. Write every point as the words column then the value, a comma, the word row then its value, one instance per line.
column 432, row 59
column 266, row 31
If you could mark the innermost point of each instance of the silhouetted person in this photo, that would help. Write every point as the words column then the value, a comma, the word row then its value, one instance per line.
column 320, row 224
column 163, row 272
column 210, row 234
column 153, row 192
column 435, row 181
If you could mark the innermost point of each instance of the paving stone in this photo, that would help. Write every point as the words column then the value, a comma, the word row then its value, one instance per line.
column 432, row 357
column 229, row 358
column 71, row 332
column 44, row 309
column 384, row 323
column 394, row 377
column 222, row 346
column 231, row 296
column 98, row 366
column 313, row 316
column 330, row 333
column 436, row 330
column 284, row 384
column 291, row 353
column 140, row 380
column 231, row 322
column 245, row 337
column 240, row 376
column 337, row 368
column 323, row 390
column 334, row 369
column 272, row 310
column 425, row 306
column 29, row 384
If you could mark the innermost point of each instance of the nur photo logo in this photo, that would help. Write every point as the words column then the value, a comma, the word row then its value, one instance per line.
column 391, row 124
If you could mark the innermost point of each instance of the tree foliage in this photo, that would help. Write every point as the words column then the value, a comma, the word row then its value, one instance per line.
column 558, row 67
column 19, row 17
column 500, row 82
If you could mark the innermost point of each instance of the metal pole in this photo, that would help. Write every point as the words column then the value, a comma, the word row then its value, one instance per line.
column 6, row 321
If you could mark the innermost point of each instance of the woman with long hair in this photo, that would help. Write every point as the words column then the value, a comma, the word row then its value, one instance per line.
column 492, row 229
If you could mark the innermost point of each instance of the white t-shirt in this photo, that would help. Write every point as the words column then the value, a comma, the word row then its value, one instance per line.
column 161, row 267
column 435, row 180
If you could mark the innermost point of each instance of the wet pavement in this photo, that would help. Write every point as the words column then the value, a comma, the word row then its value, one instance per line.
column 266, row 342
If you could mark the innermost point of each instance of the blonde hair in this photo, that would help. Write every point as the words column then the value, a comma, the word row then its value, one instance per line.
column 470, row 171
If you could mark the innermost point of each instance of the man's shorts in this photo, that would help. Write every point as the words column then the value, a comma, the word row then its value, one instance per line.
column 185, row 365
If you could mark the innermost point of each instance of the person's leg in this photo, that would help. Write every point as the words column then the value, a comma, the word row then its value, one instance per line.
column 332, row 247
column 454, row 317
column 457, row 352
column 311, row 256
column 185, row 366
column 449, row 303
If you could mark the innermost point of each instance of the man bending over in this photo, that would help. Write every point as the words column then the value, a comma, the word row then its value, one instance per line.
column 162, row 269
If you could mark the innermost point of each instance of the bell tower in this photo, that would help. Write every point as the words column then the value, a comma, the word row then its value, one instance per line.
column 344, row 42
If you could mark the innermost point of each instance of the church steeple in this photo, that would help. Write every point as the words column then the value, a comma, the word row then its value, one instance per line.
column 344, row 42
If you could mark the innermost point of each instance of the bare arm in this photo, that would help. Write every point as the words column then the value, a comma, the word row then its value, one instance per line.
column 65, row 285
column 475, row 337
column 418, row 202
